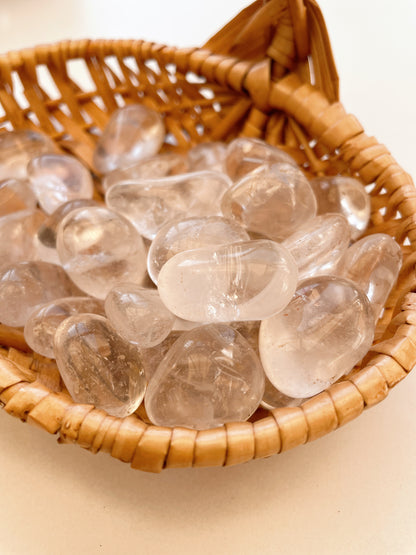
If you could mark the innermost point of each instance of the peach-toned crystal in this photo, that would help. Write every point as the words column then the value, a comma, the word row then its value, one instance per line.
column 18, row 236
column 207, row 156
column 15, row 195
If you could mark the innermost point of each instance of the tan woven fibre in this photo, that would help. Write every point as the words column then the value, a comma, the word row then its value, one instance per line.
column 252, row 79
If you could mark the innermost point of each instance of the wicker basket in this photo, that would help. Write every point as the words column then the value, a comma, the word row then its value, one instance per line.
column 269, row 73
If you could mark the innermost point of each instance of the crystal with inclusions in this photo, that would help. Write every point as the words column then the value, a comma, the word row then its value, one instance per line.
column 319, row 244
column 150, row 204
column 138, row 314
column 210, row 376
column 274, row 399
column 249, row 280
column 373, row 264
column 15, row 195
column 57, row 178
column 324, row 331
column 132, row 133
column 154, row 167
column 274, row 202
column 43, row 322
column 98, row 366
column 189, row 234
column 17, row 148
column 26, row 285
column 18, row 236
column 346, row 196
column 99, row 248
column 207, row 156
column 245, row 155
column 153, row 356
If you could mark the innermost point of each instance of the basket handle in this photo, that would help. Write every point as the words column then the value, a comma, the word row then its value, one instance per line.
column 289, row 33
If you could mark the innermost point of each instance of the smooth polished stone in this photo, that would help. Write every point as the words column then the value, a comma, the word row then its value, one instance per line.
column 18, row 233
column 26, row 285
column 274, row 399
column 318, row 245
column 138, row 314
column 57, row 179
column 153, row 356
column 132, row 133
column 246, row 154
column 99, row 248
column 17, row 148
column 154, row 167
column 207, row 156
column 150, row 204
column 43, row 322
column 189, row 234
column 210, row 376
column 344, row 195
column 250, row 331
column 274, row 202
column 16, row 195
column 325, row 330
column 185, row 325
column 98, row 366
column 373, row 263
column 249, row 280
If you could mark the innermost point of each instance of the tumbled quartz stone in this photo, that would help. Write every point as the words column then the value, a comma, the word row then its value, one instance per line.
column 138, row 314
column 324, row 331
column 207, row 156
column 99, row 248
column 373, row 264
column 319, row 244
column 132, row 133
column 43, row 322
column 150, row 204
column 26, row 285
column 274, row 399
column 210, row 376
column 58, row 178
column 154, row 167
column 98, row 366
column 273, row 202
column 15, row 195
column 189, row 234
column 246, row 154
column 18, row 233
column 346, row 196
column 152, row 356
column 249, row 280
column 17, row 148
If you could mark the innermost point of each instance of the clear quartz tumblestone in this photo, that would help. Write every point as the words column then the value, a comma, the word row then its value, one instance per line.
column 207, row 156
column 249, row 280
column 99, row 248
column 191, row 233
column 210, row 376
column 43, row 322
column 153, row 356
column 18, row 232
column 138, row 314
column 274, row 399
column 132, row 133
column 98, row 366
column 16, row 195
column 324, row 331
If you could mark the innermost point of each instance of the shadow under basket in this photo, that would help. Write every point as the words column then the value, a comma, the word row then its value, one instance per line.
column 270, row 74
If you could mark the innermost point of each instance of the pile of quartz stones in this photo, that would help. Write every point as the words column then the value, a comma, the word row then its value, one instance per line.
column 207, row 283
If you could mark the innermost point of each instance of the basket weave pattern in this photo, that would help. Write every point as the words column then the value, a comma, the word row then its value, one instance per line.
column 269, row 73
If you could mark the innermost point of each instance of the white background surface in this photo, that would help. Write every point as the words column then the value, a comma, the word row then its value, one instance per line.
column 353, row 491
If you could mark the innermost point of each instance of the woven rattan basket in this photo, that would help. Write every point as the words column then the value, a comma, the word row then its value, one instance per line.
column 269, row 73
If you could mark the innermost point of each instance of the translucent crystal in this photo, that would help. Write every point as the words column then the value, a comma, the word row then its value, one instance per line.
column 57, row 178
column 98, row 366
column 210, row 376
column 15, row 195
column 43, row 322
column 250, row 331
column 192, row 233
column 373, row 263
column 138, row 314
column 185, row 325
column 17, row 148
column 319, row 244
column 245, row 155
column 150, row 204
column 207, row 156
column 154, row 167
column 25, row 285
column 346, row 196
column 324, row 331
column 274, row 399
column 132, row 133
column 153, row 356
column 274, row 202
column 250, row 280
column 99, row 248
column 18, row 232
